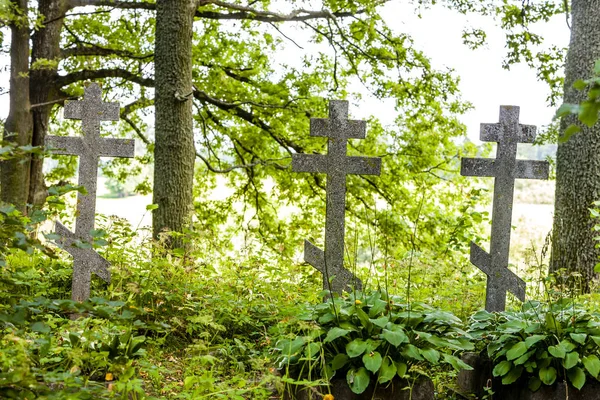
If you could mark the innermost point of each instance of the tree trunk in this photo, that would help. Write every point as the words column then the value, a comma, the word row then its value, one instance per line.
column 578, row 159
column 174, row 149
column 14, row 174
column 46, row 45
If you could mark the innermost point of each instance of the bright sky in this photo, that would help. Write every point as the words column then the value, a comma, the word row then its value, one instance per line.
column 483, row 80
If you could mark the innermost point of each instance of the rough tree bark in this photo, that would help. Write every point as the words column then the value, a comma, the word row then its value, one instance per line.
column 14, row 174
column 578, row 159
column 43, row 89
column 174, row 147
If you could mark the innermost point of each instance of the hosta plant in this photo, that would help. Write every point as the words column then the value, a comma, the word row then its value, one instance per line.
column 542, row 344
column 371, row 337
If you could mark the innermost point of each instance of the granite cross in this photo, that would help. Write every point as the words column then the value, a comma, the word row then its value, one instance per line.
column 336, row 164
column 505, row 168
column 91, row 111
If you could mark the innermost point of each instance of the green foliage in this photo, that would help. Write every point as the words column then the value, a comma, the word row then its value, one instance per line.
column 541, row 344
column 588, row 110
column 371, row 337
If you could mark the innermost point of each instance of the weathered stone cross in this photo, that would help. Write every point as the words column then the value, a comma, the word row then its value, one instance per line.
column 91, row 111
column 336, row 164
column 505, row 168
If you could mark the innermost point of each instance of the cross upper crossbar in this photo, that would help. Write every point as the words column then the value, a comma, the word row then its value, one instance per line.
column 508, row 133
column 336, row 164
column 90, row 147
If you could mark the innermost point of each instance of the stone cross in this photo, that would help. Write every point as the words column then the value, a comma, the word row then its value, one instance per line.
column 336, row 164
column 90, row 147
column 505, row 168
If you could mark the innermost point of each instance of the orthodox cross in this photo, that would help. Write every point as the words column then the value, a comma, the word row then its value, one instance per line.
column 90, row 147
column 336, row 164
column 505, row 169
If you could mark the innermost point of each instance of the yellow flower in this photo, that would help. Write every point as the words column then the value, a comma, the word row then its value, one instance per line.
column 108, row 377
column 328, row 396
column 357, row 302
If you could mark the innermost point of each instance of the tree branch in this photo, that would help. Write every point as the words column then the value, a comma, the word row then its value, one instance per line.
column 90, row 49
column 91, row 74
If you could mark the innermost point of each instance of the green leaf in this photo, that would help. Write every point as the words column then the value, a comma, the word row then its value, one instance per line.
column 571, row 360
column 395, row 335
column 513, row 375
column 312, row 350
column 516, row 351
column 534, row 383
column 557, row 351
column 502, row 368
column 431, row 355
column 151, row 207
column 570, row 131
column 387, row 371
column 531, row 340
column 401, row 368
column 339, row 361
column 548, row 375
column 566, row 109
column 372, row 361
column 411, row 351
column 456, row 362
column 592, row 365
column 335, row 333
column 580, row 84
column 356, row 347
column 577, row 377
column 358, row 380
column 40, row 327
column 579, row 337
column 523, row 359
column 381, row 321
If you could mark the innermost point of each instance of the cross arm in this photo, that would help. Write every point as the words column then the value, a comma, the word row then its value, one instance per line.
column 309, row 163
column 364, row 165
column 477, row 167
column 117, row 148
column 532, row 169
column 65, row 145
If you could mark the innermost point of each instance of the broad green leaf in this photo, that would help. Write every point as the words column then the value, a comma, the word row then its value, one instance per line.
column 566, row 109
column 401, row 368
column 387, row 371
column 513, row 375
column 579, row 337
column 557, row 351
column 381, row 321
column 335, row 333
column 534, row 383
column 516, row 351
column 372, row 361
column 571, row 360
column 456, row 362
column 411, row 351
column 358, row 380
column 431, row 355
column 523, row 359
column 548, row 375
column 356, row 347
column 40, row 327
column 339, row 361
column 395, row 335
column 312, row 350
column 592, row 365
column 531, row 340
column 577, row 377
column 502, row 368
